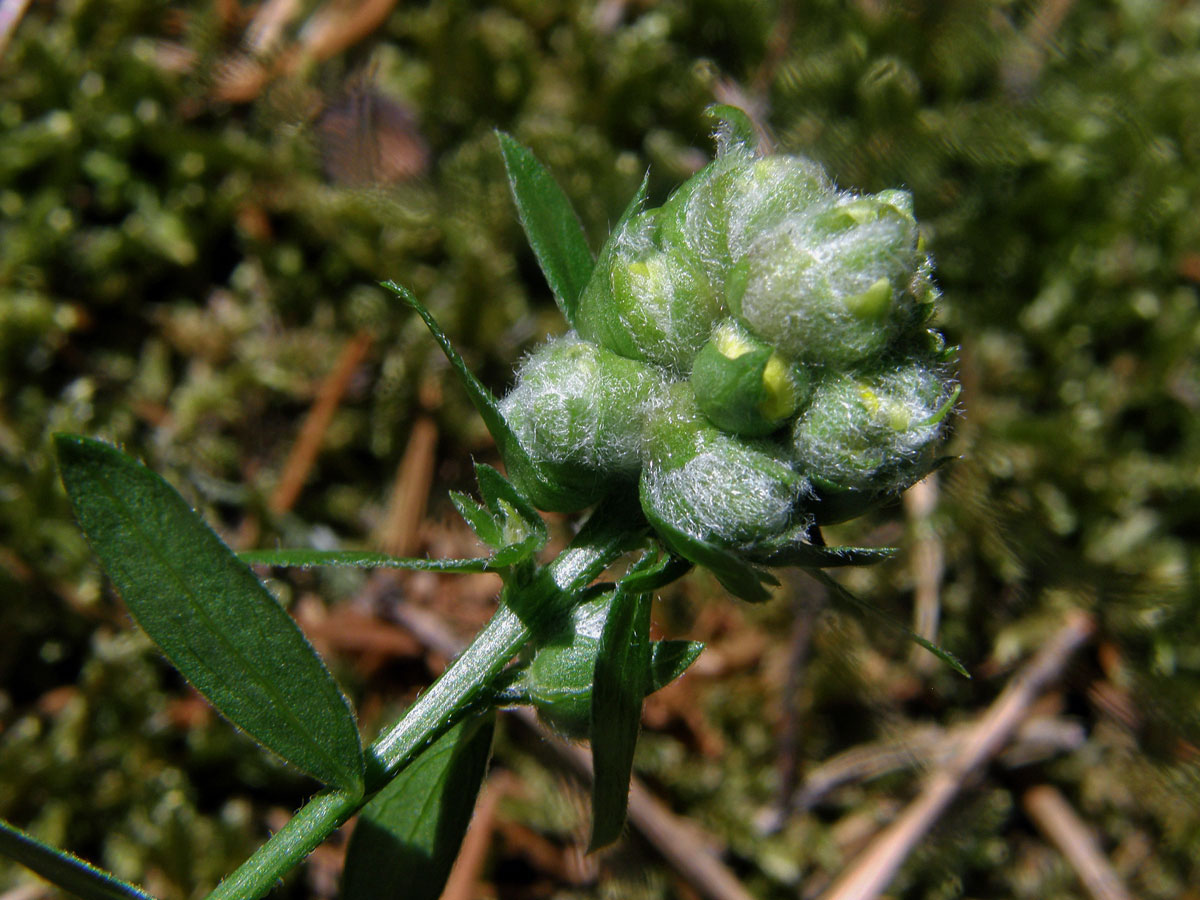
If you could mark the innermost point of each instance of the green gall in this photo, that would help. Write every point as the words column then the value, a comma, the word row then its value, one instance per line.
column 744, row 386
column 650, row 302
column 710, row 485
column 873, row 433
column 578, row 410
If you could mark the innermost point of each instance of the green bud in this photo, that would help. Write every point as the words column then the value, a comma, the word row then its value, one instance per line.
column 722, row 209
column 829, row 289
column 558, row 681
column 648, row 301
column 743, row 385
column 579, row 410
column 873, row 433
column 714, row 487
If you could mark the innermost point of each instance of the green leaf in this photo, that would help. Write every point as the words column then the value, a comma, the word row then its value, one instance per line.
column 550, row 224
column 407, row 837
column 63, row 869
column 496, row 489
column 848, row 597
column 548, row 494
column 618, row 689
column 300, row 558
column 669, row 660
column 208, row 613
column 793, row 548
column 509, row 523
column 482, row 522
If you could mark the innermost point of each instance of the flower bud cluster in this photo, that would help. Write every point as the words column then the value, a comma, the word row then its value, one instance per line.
column 754, row 354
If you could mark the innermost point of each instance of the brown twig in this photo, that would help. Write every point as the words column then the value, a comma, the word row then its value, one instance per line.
column 464, row 877
column 241, row 77
column 1037, row 738
column 873, row 869
column 406, row 508
column 11, row 13
column 308, row 444
column 807, row 603
column 928, row 564
column 1052, row 814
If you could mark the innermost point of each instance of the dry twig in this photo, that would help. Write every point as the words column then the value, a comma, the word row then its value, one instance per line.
column 308, row 444
column 1052, row 813
column 928, row 563
column 875, row 867
column 406, row 508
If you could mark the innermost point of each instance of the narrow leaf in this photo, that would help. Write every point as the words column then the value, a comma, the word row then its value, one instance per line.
column 408, row 836
column 801, row 553
column 548, row 494
column 300, row 558
column 619, row 687
column 858, row 603
column 63, row 869
column 208, row 613
column 550, row 224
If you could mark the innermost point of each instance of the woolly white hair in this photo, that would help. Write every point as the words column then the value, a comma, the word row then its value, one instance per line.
column 873, row 432
column 804, row 286
column 576, row 403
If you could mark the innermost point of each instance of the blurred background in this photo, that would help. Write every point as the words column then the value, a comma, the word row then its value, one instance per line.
column 197, row 202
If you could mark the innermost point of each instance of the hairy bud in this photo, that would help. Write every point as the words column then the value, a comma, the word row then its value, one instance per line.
column 745, row 386
column 711, row 485
column 653, row 302
column 755, row 354
column 579, row 411
column 873, row 432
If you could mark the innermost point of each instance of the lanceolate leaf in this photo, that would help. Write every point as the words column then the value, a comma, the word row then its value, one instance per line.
column 550, row 224
column 622, row 669
column 408, row 836
column 208, row 613
column 495, row 489
column 66, row 871
column 359, row 559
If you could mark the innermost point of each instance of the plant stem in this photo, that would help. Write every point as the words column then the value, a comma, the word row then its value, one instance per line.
column 527, row 606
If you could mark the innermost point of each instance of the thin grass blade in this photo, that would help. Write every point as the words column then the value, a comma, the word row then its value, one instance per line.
column 858, row 603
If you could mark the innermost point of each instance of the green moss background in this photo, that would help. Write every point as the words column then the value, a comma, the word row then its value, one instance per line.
column 177, row 273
